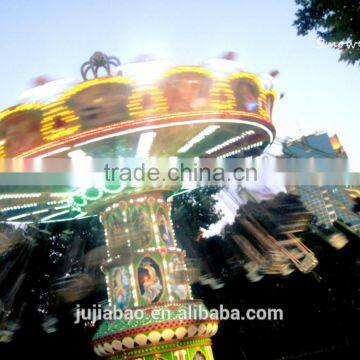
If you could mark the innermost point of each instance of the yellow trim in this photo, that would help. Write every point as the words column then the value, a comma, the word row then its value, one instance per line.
column 229, row 103
column 136, row 108
column 98, row 81
column 262, row 97
column 245, row 75
column 49, row 132
column 186, row 69
column 23, row 107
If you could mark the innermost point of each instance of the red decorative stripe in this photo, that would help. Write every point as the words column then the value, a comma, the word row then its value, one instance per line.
column 157, row 120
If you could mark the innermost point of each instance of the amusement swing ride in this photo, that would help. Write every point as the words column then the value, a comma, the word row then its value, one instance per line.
column 191, row 111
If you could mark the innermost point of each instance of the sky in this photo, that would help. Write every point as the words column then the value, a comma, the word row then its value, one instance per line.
column 53, row 38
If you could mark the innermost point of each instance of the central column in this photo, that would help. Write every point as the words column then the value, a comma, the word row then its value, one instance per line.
column 146, row 270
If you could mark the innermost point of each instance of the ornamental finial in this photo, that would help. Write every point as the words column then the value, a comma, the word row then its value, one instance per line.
column 98, row 60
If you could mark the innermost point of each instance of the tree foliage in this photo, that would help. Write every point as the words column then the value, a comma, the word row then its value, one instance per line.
column 195, row 210
column 336, row 22
column 45, row 268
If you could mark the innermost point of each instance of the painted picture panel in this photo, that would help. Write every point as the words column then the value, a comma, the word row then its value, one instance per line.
column 150, row 280
column 164, row 227
column 121, row 287
column 140, row 221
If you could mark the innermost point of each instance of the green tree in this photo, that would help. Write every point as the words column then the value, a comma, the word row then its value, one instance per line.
column 335, row 22
column 194, row 210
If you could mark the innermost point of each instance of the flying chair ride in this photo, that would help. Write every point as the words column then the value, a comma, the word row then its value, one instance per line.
column 148, row 109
